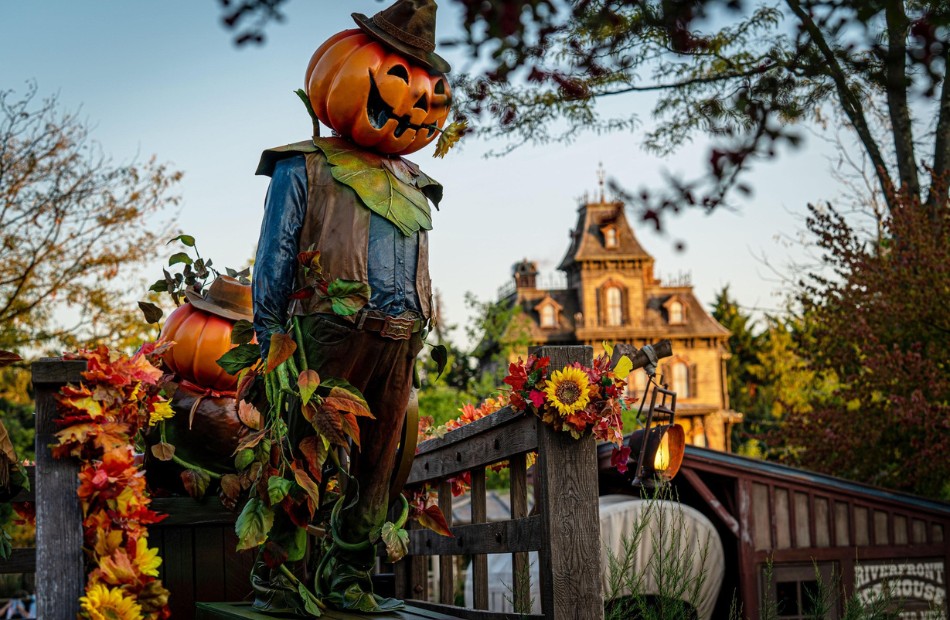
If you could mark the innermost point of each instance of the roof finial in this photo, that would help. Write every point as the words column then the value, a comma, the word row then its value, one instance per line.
column 601, row 175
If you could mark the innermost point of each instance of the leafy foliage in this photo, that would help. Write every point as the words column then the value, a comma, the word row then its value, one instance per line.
column 75, row 226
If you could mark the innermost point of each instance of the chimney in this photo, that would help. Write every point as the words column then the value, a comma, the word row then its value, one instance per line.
column 525, row 274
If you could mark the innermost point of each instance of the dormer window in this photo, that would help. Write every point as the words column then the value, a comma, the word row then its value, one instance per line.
column 548, row 316
column 677, row 315
column 549, row 313
column 610, row 237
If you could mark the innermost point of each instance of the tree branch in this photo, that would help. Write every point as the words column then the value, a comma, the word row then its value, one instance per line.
column 895, row 87
column 940, row 175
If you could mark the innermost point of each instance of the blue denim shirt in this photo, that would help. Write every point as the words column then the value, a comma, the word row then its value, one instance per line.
column 391, row 259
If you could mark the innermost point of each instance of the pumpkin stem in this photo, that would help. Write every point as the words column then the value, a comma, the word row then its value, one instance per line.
column 313, row 115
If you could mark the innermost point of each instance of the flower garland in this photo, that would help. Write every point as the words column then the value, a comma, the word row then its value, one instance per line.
column 99, row 420
column 576, row 399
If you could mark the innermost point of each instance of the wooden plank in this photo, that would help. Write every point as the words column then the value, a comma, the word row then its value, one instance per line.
column 187, row 511
column 570, row 565
column 472, row 614
column 237, row 568
column 748, row 577
column 209, row 577
column 480, row 561
column 495, row 444
column 460, row 435
column 522, row 535
column 21, row 560
column 520, row 571
column 801, row 527
column 760, row 515
column 696, row 482
column 59, row 557
column 54, row 371
column 178, row 559
column 446, row 562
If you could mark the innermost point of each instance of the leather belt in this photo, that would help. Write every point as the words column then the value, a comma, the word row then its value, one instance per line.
column 400, row 327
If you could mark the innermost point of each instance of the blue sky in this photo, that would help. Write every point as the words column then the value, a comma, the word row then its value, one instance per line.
column 164, row 79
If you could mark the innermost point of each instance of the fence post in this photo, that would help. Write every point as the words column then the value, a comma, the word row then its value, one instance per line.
column 59, row 557
column 570, row 562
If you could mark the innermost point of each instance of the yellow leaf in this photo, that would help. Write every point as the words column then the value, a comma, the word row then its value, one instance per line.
column 609, row 349
column 623, row 367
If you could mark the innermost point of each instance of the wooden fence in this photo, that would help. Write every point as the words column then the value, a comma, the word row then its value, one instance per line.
column 197, row 541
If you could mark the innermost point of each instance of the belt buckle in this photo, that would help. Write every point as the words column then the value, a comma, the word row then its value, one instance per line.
column 397, row 328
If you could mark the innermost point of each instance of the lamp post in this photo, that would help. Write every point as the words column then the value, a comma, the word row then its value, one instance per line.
column 657, row 450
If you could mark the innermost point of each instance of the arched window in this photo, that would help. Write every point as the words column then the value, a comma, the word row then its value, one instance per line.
column 681, row 379
column 610, row 237
column 548, row 316
column 614, row 307
column 676, row 313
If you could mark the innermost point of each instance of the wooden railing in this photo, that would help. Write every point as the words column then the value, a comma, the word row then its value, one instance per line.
column 564, row 527
column 197, row 541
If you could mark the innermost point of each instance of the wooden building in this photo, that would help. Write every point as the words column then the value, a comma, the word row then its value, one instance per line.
column 611, row 293
column 779, row 525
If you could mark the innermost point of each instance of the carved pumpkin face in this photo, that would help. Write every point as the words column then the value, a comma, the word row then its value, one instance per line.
column 200, row 339
column 375, row 97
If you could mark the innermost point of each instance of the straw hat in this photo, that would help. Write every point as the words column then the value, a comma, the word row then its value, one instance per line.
column 408, row 27
column 226, row 297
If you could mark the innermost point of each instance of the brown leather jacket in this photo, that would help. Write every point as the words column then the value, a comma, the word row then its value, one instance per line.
column 336, row 224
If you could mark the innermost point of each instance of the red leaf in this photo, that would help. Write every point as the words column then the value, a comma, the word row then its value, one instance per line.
column 315, row 455
column 308, row 382
column 352, row 427
column 282, row 346
column 311, row 259
column 7, row 358
column 196, row 482
column 306, row 482
column 250, row 441
column 432, row 518
column 303, row 293
column 345, row 405
column 329, row 423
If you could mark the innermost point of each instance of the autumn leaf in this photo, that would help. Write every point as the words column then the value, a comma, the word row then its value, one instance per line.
column 151, row 312
column 352, row 428
column 196, row 482
column 310, row 260
column 306, row 483
column 396, row 540
column 338, row 388
column 308, row 382
column 253, row 524
column 243, row 459
column 433, row 519
column 8, row 357
column 345, row 405
column 249, row 415
column 315, row 451
column 282, row 346
column 230, row 490
column 250, row 441
column 383, row 192
column 623, row 367
column 163, row 451
column 329, row 423
column 449, row 137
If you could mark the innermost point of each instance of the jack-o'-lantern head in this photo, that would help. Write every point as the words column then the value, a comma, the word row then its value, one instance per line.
column 382, row 85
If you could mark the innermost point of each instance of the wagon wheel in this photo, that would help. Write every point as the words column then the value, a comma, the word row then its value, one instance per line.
column 407, row 447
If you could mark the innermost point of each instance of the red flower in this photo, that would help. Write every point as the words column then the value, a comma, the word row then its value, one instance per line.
column 620, row 457
column 517, row 375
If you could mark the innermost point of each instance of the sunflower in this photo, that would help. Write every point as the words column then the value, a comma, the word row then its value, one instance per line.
column 104, row 603
column 568, row 390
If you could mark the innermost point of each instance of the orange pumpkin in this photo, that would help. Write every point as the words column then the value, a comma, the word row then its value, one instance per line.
column 375, row 97
column 200, row 339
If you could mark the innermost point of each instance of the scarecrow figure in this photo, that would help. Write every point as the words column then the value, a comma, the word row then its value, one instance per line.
column 353, row 199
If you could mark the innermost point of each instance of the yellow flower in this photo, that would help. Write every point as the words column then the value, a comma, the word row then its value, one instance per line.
column 160, row 411
column 146, row 559
column 104, row 603
column 568, row 390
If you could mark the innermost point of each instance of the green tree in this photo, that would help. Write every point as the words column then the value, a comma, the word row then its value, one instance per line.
column 743, row 351
column 75, row 228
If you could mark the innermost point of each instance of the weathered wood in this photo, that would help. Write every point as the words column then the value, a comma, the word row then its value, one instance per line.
column 208, row 562
column 520, row 574
column 748, row 532
column 480, row 560
column 179, row 577
column 522, row 535
column 55, row 372
column 495, row 444
column 446, row 562
column 459, row 436
column 21, row 560
column 59, row 565
column 471, row 614
column 718, row 509
column 570, row 563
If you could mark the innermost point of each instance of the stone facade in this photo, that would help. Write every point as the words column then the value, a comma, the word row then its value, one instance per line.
column 612, row 295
